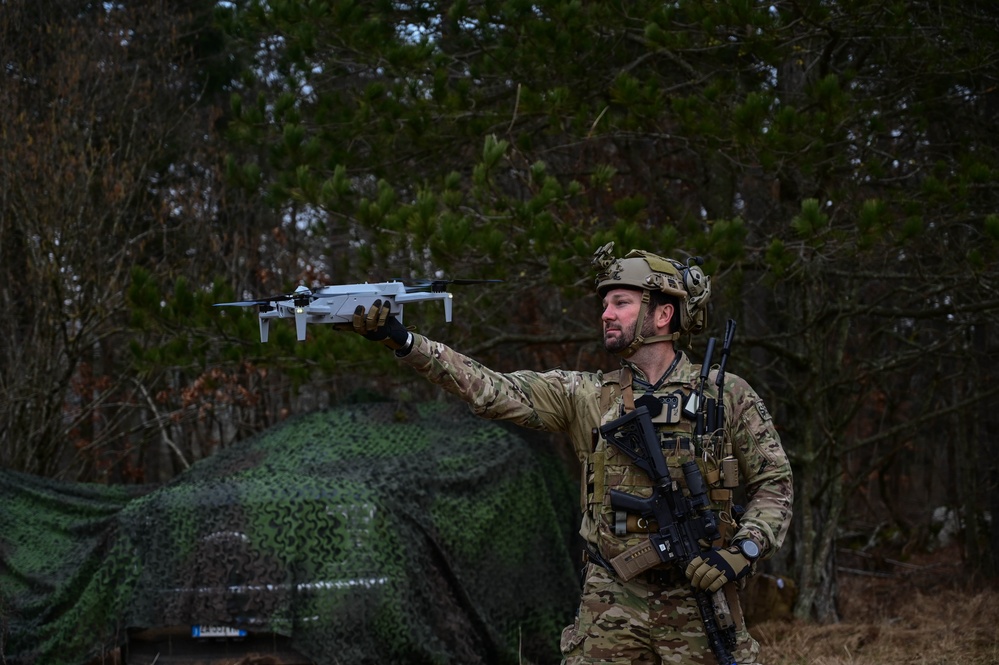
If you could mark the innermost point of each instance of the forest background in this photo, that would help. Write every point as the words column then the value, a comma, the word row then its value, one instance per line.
column 834, row 161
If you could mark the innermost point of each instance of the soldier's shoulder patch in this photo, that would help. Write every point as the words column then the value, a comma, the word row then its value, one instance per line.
column 762, row 408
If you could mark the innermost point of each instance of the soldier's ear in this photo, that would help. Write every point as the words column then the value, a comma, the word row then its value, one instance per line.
column 665, row 315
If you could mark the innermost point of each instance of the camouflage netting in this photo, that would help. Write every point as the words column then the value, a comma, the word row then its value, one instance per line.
column 368, row 534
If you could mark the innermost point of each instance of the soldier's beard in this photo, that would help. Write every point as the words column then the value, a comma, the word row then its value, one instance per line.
column 623, row 341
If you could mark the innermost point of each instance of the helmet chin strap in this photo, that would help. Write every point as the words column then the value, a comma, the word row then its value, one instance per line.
column 639, row 341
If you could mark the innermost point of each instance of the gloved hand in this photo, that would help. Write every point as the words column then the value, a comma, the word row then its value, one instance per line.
column 715, row 568
column 378, row 326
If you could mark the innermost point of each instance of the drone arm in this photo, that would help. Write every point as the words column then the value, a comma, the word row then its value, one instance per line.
column 447, row 297
column 301, row 318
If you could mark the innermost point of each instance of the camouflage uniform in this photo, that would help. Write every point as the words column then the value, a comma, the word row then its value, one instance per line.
column 651, row 618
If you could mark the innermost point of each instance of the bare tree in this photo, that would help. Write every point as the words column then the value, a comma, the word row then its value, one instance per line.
column 99, row 107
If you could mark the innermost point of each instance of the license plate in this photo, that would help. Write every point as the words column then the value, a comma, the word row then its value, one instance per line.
column 216, row 631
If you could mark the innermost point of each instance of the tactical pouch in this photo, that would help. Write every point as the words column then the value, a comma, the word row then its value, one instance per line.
column 636, row 560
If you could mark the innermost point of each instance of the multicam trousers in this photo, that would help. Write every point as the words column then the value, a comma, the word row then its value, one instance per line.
column 641, row 621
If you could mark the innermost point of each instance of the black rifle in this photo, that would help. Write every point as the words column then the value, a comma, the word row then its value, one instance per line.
column 729, row 464
column 719, row 416
column 682, row 520
column 695, row 407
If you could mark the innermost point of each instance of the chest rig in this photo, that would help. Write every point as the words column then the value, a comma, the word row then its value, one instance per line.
column 684, row 410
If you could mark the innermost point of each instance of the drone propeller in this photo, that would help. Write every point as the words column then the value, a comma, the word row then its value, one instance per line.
column 301, row 295
column 247, row 303
column 440, row 285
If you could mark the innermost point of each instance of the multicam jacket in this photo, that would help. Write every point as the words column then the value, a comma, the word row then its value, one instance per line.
column 578, row 402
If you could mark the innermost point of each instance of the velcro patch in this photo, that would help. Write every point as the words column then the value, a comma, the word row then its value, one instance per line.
column 762, row 408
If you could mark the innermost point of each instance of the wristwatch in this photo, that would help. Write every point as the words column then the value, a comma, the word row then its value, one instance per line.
column 749, row 549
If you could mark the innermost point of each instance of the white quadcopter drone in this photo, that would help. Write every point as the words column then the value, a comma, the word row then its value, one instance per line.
column 337, row 303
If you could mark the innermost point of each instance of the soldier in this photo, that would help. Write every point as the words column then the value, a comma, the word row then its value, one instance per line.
column 649, row 302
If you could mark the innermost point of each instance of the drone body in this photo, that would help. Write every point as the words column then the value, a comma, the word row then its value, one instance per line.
column 336, row 304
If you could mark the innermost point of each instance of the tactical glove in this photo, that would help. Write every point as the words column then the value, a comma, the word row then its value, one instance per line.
column 715, row 568
column 377, row 325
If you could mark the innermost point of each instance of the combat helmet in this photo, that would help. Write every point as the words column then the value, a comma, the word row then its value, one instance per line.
column 649, row 272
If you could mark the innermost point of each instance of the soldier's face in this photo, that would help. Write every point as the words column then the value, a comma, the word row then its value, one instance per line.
column 621, row 307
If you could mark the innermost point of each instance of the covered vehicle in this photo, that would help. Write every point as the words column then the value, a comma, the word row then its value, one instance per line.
column 367, row 533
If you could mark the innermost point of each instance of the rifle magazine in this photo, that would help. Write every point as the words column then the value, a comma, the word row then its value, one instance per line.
column 636, row 560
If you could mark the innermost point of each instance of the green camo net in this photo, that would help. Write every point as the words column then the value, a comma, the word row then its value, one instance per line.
column 371, row 533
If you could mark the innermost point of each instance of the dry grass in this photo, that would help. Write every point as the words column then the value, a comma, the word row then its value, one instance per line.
column 926, row 614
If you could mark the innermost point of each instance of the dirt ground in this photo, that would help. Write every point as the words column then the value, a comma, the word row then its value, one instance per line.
column 925, row 611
